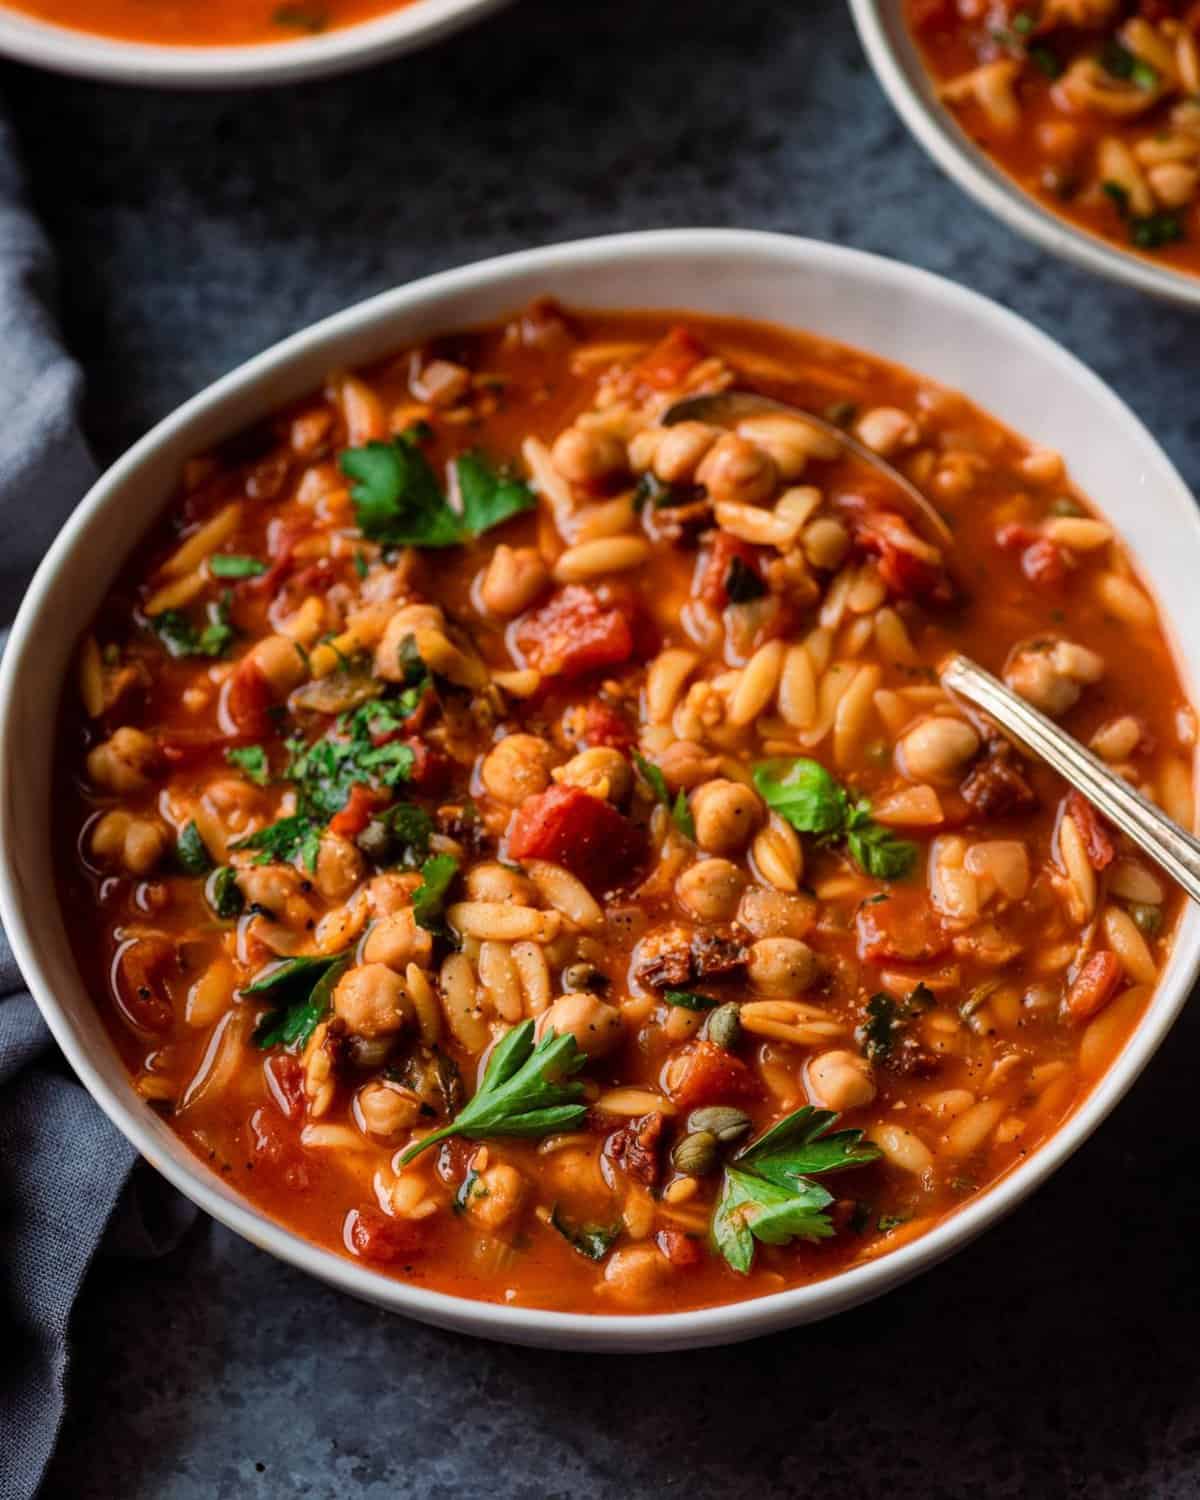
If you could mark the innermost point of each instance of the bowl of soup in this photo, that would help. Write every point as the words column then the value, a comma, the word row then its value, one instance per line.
column 223, row 43
column 509, row 853
column 1074, row 121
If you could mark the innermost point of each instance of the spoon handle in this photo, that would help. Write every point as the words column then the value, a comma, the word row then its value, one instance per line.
column 1177, row 851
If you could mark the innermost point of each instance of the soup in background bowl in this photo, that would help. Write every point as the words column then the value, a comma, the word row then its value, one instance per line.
column 524, row 849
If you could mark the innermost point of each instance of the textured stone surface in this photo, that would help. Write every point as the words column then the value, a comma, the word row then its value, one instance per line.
column 1057, row 1356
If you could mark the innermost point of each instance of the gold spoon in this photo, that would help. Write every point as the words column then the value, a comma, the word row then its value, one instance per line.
column 1161, row 838
column 725, row 407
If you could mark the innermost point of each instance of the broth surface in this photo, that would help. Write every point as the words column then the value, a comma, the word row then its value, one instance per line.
column 656, row 765
column 214, row 23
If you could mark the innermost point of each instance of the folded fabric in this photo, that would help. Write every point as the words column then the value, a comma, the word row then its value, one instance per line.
column 63, row 1166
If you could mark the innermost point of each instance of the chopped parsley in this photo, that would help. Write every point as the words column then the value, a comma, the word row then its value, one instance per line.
column 180, row 636
column 192, row 852
column 251, row 760
column 234, row 565
column 525, row 1092
column 429, row 899
column 1146, row 231
column 689, row 1000
column 593, row 1241
column 398, row 499
column 298, row 991
column 223, row 893
column 813, row 802
column 767, row 1191
column 885, row 1021
column 282, row 842
column 681, row 812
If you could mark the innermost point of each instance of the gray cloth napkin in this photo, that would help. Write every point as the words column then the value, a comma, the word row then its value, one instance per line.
column 64, row 1169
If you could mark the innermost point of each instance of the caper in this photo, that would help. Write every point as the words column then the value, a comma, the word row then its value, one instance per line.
column 724, row 1026
column 721, row 1120
column 582, row 976
column 1146, row 918
column 696, row 1154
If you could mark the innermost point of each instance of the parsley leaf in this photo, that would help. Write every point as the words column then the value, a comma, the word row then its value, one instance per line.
column 281, row 842
column 398, row 500
column 593, row 1241
column 181, row 638
column 298, row 992
column 885, row 1021
column 251, row 760
column 406, row 829
column 653, row 778
column 813, row 801
column 524, row 1092
column 234, row 565
column 429, row 898
column 688, row 1000
column 224, row 894
column 767, row 1193
column 192, row 852
column 681, row 814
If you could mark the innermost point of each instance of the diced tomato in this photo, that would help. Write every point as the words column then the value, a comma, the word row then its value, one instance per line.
column 360, row 805
column 667, row 363
column 276, row 1147
column 635, row 1147
column 316, row 578
column 681, row 1249
column 282, row 562
column 1094, row 986
column 431, row 769
column 911, row 568
column 707, row 1074
column 598, row 723
column 568, row 826
column 1013, row 536
column 1044, row 563
column 902, row 929
column 376, row 1236
column 249, row 699
column 1096, row 838
column 715, row 573
column 285, row 1078
column 574, row 633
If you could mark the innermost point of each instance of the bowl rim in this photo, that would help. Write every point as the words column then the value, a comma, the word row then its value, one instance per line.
column 724, row 1323
column 65, row 49
column 902, row 75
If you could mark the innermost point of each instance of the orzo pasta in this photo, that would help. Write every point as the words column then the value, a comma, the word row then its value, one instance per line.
column 525, row 846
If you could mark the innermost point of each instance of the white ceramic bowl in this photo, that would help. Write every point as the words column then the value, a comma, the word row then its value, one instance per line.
column 905, row 315
column 65, row 50
column 898, row 66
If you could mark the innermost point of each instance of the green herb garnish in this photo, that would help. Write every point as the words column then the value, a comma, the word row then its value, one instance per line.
column 524, row 1092
column 742, row 582
column 234, row 565
column 767, row 1192
column 282, row 842
column 689, row 1000
column 1046, row 60
column 224, row 894
column 885, row 1021
column 813, row 802
column 251, row 760
column 398, row 500
column 593, row 1241
column 429, row 899
column 181, row 637
column 298, row 991
column 681, row 812
column 192, row 852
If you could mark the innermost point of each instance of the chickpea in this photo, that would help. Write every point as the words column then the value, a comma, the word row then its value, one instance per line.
column 270, row 887
column 601, row 770
column 585, row 456
column 124, row 763
column 497, row 1197
column 686, row 764
column 387, row 1110
column 372, row 1000
column 339, row 867
column 726, row 814
column 825, row 542
column 840, row 1080
column 636, row 1272
column 781, row 966
column 1173, row 183
column 937, row 749
column 776, row 914
column 681, row 449
column 710, row 889
column 595, row 1025
column 514, row 578
column 392, row 892
column 1051, row 675
column 492, row 881
column 277, row 658
column 887, row 430
column 397, row 941
column 407, row 621
column 734, row 469
column 136, row 843
column 517, row 768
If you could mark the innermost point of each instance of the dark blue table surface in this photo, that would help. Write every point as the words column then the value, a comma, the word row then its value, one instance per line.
column 1058, row 1356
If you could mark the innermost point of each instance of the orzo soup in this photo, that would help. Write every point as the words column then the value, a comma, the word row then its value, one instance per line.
column 206, row 23
column 1093, row 106
column 525, row 847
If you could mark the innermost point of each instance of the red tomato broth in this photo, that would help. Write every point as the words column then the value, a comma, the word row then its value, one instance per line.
column 217, row 23
column 1115, row 153
column 1015, row 1045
